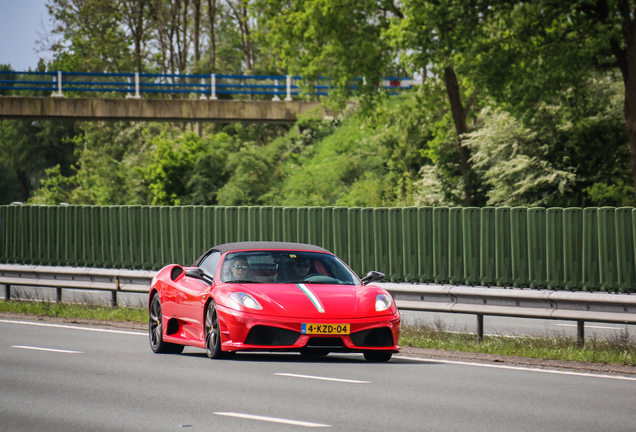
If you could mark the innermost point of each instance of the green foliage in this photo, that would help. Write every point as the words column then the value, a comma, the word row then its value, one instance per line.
column 76, row 311
column 616, row 195
column 514, row 168
column 538, row 100
column 91, row 37
column 55, row 188
column 342, row 40
column 618, row 350
column 27, row 149
column 174, row 161
column 368, row 160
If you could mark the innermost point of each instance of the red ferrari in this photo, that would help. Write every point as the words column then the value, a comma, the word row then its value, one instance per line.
column 271, row 296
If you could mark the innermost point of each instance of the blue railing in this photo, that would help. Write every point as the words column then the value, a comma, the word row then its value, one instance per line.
column 205, row 86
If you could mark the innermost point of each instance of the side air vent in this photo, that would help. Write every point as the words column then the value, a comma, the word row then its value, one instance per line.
column 173, row 326
column 271, row 336
column 377, row 337
column 176, row 272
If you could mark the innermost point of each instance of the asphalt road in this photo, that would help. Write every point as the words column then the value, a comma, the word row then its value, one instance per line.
column 70, row 378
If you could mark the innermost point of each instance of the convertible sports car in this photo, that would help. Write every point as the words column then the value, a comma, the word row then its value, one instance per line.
column 271, row 296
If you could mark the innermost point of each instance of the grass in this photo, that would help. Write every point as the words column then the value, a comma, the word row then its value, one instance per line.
column 76, row 311
column 618, row 349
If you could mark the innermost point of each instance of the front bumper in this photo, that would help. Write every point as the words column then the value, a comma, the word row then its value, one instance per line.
column 243, row 331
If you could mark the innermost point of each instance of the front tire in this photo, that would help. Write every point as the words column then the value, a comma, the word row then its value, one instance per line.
column 213, row 334
column 378, row 356
column 155, row 330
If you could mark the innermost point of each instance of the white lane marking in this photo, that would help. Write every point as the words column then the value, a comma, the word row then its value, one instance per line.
column 272, row 419
column 592, row 327
column 519, row 368
column 46, row 349
column 73, row 327
column 323, row 378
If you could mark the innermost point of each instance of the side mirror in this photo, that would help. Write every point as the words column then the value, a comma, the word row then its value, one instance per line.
column 372, row 276
column 198, row 273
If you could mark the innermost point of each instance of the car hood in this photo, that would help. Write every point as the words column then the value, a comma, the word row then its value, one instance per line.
column 306, row 300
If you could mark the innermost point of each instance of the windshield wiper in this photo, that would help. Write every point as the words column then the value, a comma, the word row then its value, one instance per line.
column 243, row 281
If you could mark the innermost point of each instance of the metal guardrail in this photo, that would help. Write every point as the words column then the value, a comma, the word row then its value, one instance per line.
column 515, row 302
column 520, row 303
column 204, row 86
column 113, row 280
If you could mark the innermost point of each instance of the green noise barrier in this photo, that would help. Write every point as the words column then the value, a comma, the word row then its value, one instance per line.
column 590, row 249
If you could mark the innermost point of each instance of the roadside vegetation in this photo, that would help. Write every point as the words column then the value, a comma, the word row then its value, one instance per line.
column 515, row 103
column 620, row 349
column 76, row 311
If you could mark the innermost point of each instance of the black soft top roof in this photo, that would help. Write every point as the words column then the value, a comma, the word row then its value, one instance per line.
column 262, row 245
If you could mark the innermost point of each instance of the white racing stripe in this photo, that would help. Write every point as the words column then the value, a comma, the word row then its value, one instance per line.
column 272, row 419
column 323, row 378
column 73, row 327
column 518, row 368
column 312, row 296
column 46, row 349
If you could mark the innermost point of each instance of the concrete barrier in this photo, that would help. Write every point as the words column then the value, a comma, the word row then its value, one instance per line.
column 190, row 110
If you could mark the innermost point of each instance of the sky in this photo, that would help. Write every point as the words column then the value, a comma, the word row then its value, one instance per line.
column 20, row 23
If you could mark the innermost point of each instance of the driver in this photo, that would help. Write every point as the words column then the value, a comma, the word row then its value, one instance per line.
column 239, row 268
column 300, row 268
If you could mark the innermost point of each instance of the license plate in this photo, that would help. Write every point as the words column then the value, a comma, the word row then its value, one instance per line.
column 325, row 329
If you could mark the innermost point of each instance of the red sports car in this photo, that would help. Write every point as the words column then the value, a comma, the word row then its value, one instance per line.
column 271, row 296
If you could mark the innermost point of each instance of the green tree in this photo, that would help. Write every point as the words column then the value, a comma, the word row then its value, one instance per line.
column 369, row 39
column 90, row 37
column 542, row 48
column 28, row 148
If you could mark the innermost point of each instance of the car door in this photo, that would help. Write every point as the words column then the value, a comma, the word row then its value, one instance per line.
column 190, row 302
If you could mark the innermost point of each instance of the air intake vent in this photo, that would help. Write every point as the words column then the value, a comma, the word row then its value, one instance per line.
column 271, row 336
column 325, row 342
column 377, row 337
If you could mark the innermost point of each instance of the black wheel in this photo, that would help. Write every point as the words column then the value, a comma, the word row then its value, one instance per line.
column 155, row 330
column 213, row 334
column 378, row 356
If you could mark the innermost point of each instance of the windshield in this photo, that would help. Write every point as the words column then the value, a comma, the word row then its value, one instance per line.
column 286, row 267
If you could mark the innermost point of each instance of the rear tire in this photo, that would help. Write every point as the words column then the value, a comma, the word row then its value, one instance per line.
column 378, row 356
column 155, row 330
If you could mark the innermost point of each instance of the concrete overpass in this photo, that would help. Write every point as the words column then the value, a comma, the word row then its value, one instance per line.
column 191, row 110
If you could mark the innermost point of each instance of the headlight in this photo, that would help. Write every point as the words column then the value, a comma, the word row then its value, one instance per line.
column 246, row 300
column 383, row 302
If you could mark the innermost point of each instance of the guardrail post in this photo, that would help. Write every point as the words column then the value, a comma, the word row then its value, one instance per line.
column 276, row 98
column 213, row 87
column 203, row 96
column 59, row 85
column 580, row 333
column 129, row 95
column 288, row 98
column 137, row 95
column 7, row 292
column 480, row 327
column 113, row 300
column 59, row 295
